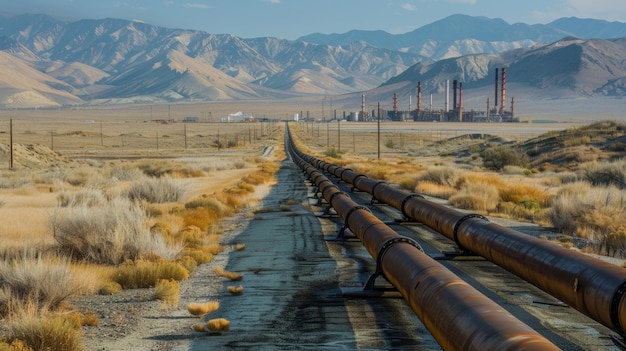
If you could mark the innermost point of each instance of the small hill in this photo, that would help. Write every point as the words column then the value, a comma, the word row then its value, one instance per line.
column 32, row 156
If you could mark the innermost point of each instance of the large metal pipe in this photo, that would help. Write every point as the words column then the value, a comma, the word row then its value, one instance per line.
column 591, row 286
column 458, row 316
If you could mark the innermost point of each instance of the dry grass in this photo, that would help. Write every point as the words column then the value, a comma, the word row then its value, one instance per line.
column 240, row 246
column 145, row 274
column 46, row 284
column 53, row 333
column 157, row 190
column 235, row 290
column 218, row 325
column 232, row 276
column 109, row 233
column 481, row 197
column 201, row 309
column 90, row 319
column 167, row 291
column 435, row 189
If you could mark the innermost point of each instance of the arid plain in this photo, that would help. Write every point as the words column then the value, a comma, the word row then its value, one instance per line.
column 59, row 154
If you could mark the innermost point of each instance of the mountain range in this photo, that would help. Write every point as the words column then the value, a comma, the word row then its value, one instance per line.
column 45, row 62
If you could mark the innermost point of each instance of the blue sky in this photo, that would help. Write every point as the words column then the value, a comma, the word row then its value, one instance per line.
column 291, row 19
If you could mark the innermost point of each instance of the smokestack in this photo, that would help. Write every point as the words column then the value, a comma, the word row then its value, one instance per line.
column 447, row 107
column 419, row 97
column 495, row 101
column 363, row 106
column 488, row 110
column 395, row 103
column 455, row 84
column 503, row 99
column 461, row 102
column 512, row 108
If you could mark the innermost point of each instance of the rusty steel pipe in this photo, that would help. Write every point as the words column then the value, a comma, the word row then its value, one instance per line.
column 457, row 315
column 591, row 286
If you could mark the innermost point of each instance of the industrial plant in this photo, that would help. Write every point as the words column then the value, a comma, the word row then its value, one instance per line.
column 498, row 112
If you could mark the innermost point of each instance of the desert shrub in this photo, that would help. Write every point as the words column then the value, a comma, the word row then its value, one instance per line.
column 167, row 291
column 235, row 290
column 201, row 309
column 145, row 274
column 595, row 213
column 497, row 157
column 390, row 143
column 218, row 325
column 568, row 205
column 161, row 168
column 226, row 274
column 109, row 233
column 435, row 189
column 408, row 183
column 110, row 288
column 527, row 195
column 332, row 152
column 157, row 190
column 439, row 175
column 90, row 319
column 46, row 284
column 605, row 173
column 200, row 217
column 206, row 201
column 188, row 262
column 247, row 187
column 476, row 196
column 17, row 345
column 568, row 177
column 125, row 172
column 85, row 196
column 55, row 333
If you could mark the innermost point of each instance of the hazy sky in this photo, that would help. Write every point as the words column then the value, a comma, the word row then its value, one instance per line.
column 291, row 19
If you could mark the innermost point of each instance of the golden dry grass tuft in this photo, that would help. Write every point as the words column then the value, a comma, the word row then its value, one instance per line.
column 145, row 274
column 481, row 197
column 90, row 319
column 199, row 327
column 233, row 276
column 218, row 325
column 15, row 345
column 201, row 309
column 235, row 290
column 435, row 189
column 167, row 291
column 240, row 246
column 53, row 333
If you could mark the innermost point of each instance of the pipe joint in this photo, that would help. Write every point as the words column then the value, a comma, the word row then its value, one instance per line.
column 455, row 231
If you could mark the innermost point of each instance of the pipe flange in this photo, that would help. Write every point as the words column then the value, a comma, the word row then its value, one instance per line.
column 407, row 198
column 389, row 243
column 377, row 184
column 617, row 298
column 361, row 175
column 330, row 201
column 455, row 231
column 345, row 170
column 352, row 210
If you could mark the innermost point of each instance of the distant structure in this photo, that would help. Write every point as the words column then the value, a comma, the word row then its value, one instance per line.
column 456, row 113
column 237, row 118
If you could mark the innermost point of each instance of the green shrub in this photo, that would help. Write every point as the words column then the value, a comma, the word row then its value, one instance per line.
column 497, row 157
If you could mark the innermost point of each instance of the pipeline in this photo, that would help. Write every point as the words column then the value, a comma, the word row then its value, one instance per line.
column 458, row 316
column 587, row 284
